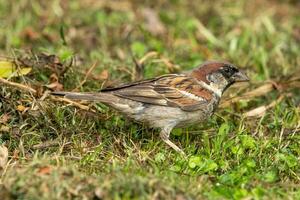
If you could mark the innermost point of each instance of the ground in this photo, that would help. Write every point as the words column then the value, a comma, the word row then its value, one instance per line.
column 62, row 150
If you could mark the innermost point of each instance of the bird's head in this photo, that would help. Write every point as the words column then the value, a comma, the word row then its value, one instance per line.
column 219, row 75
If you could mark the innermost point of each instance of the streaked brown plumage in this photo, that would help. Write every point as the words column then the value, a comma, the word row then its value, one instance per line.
column 168, row 101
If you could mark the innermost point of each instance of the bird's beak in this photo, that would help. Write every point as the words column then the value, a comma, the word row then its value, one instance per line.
column 240, row 77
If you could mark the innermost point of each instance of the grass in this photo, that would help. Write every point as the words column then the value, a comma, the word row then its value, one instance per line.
column 58, row 151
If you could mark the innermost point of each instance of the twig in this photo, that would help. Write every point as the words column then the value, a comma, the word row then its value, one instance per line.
column 81, row 106
column 46, row 145
column 259, row 111
column 29, row 89
column 18, row 85
column 263, row 89
column 260, row 91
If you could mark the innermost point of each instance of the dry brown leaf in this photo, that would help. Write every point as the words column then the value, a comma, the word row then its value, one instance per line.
column 56, row 86
column 45, row 170
column 16, row 154
column 3, row 156
column 42, row 61
column 4, row 118
column 104, row 75
column 30, row 34
column 53, row 78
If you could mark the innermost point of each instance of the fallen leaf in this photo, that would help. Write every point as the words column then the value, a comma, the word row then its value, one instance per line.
column 16, row 154
column 43, row 61
column 21, row 108
column 53, row 78
column 9, row 69
column 4, row 118
column 30, row 34
column 3, row 156
column 44, row 170
column 56, row 86
column 104, row 75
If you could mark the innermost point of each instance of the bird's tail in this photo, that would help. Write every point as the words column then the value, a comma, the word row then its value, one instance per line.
column 88, row 96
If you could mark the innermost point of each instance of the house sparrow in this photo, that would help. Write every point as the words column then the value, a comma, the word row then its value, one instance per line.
column 169, row 101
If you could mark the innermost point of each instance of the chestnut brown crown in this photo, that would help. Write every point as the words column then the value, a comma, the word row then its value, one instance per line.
column 229, row 72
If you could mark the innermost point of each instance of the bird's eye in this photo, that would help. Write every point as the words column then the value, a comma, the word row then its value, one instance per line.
column 227, row 70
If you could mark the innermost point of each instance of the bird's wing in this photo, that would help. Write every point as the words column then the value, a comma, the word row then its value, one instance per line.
column 169, row 90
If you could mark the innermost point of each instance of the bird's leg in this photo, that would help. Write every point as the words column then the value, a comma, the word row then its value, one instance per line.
column 164, row 134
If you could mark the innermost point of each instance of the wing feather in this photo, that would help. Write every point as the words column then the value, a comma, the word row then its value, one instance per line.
column 169, row 90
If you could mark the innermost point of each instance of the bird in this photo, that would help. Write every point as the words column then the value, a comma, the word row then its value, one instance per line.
column 169, row 101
